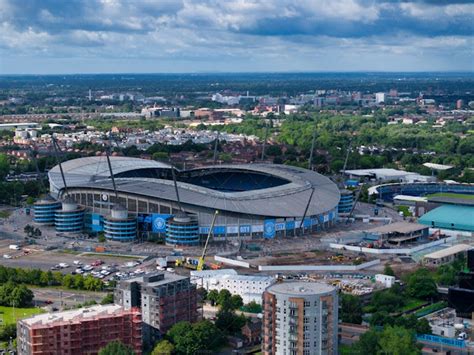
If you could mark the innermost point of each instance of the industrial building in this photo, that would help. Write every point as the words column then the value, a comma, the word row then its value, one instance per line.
column 164, row 299
column 300, row 318
column 81, row 331
column 254, row 200
column 446, row 256
column 398, row 233
column 249, row 287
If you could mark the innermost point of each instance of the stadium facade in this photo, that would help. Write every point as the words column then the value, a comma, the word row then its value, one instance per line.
column 254, row 200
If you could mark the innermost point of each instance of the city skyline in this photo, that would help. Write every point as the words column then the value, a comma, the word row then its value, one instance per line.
column 55, row 37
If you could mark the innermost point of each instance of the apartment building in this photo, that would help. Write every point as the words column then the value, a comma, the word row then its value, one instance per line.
column 80, row 331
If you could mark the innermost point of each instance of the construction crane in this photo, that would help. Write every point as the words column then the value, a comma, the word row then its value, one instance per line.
column 200, row 265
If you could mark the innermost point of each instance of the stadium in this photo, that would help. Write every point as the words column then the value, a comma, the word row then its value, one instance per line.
column 253, row 200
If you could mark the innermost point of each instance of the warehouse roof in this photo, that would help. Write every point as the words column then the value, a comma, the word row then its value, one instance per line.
column 448, row 251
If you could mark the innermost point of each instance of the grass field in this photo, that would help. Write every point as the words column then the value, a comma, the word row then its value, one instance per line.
column 452, row 195
column 10, row 315
column 412, row 303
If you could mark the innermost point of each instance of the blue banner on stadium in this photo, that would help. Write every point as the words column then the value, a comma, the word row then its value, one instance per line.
column 290, row 225
column 245, row 229
column 219, row 229
column 96, row 223
column 269, row 228
column 159, row 222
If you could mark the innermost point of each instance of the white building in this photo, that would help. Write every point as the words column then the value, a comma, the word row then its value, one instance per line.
column 386, row 280
column 380, row 97
column 249, row 287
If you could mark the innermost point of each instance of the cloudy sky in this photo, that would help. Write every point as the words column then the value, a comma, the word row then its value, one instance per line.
column 96, row 36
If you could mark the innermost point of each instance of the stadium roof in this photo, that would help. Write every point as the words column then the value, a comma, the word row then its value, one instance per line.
column 438, row 166
column 286, row 200
column 450, row 217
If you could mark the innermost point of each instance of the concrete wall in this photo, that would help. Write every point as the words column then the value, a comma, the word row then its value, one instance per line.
column 392, row 251
column 318, row 267
column 231, row 261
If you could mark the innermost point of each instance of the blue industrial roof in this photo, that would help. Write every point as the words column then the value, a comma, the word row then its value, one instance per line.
column 450, row 217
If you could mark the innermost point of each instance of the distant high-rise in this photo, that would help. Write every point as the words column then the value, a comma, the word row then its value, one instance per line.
column 380, row 97
column 459, row 104
column 300, row 318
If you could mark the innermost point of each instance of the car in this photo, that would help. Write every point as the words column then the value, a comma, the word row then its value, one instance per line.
column 87, row 267
column 48, row 302
column 79, row 271
column 97, row 262
column 6, row 256
column 63, row 265
column 77, row 262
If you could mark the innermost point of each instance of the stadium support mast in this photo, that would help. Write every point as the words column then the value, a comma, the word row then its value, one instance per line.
column 56, row 153
column 215, row 146
column 173, row 173
column 307, row 207
column 107, row 154
column 264, row 142
column 310, row 161
column 347, row 156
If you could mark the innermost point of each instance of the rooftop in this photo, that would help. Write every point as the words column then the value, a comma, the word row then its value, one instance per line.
column 73, row 315
column 448, row 251
column 398, row 227
column 156, row 279
column 299, row 289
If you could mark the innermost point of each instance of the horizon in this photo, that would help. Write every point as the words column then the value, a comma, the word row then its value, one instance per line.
column 463, row 72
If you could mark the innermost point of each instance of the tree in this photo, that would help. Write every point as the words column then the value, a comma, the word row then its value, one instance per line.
column 224, row 299
column 7, row 331
column 21, row 296
column 195, row 338
column 398, row 341
column 228, row 322
column 116, row 348
column 387, row 270
column 4, row 166
column 109, row 298
column 178, row 331
column 212, row 296
column 164, row 347
column 421, row 284
column 368, row 343
column 236, row 302
column 351, row 309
